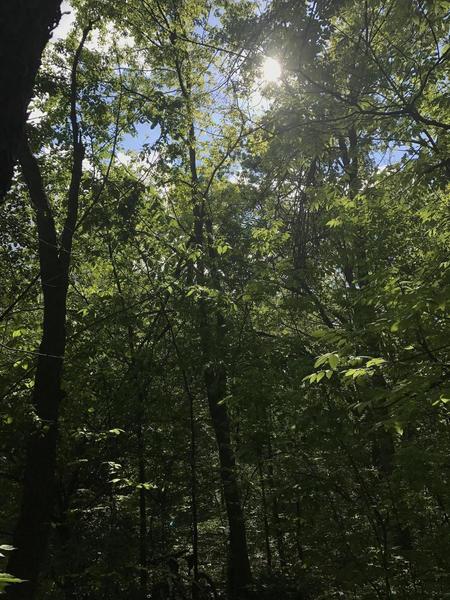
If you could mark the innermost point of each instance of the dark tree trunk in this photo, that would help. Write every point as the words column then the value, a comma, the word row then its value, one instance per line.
column 143, row 574
column 275, row 506
column 25, row 28
column 32, row 529
column 31, row 532
column 211, row 331
column 194, row 507
column 239, row 574
column 265, row 514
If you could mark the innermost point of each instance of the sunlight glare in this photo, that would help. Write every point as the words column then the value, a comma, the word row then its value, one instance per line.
column 271, row 70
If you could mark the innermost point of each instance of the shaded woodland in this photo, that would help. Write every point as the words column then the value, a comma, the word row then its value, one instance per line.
column 225, row 300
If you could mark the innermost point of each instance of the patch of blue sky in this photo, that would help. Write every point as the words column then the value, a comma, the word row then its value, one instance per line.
column 65, row 23
column 393, row 154
column 143, row 135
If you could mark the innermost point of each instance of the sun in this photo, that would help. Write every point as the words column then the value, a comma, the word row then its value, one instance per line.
column 271, row 70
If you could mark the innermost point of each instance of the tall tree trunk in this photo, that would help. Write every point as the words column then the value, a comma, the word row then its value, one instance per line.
column 239, row 573
column 143, row 573
column 31, row 534
column 25, row 28
column 211, row 332
column 32, row 529
column 265, row 515
column 194, row 507
column 298, row 542
column 275, row 507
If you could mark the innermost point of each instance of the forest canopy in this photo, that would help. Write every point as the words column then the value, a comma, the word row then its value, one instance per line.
column 225, row 300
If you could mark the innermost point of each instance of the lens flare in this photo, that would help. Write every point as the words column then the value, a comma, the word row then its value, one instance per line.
column 271, row 70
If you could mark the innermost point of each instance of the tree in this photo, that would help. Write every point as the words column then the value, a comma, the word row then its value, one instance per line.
column 256, row 356
column 25, row 29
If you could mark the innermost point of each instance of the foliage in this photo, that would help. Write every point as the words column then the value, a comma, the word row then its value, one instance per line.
column 323, row 273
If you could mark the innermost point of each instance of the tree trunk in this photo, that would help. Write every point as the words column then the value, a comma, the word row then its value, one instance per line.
column 211, row 333
column 194, row 507
column 31, row 533
column 143, row 573
column 25, row 28
column 265, row 516
column 275, row 507
column 32, row 529
column 239, row 573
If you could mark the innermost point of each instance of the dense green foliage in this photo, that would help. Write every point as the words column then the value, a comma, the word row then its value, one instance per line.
column 271, row 257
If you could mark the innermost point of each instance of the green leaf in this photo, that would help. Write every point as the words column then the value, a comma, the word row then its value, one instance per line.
column 333, row 360
column 319, row 333
column 116, row 431
column 441, row 400
column 310, row 378
column 6, row 579
column 222, row 249
column 333, row 223
column 321, row 360
column 147, row 485
column 375, row 362
column 398, row 427
column 355, row 373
